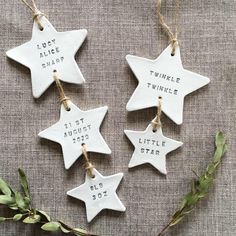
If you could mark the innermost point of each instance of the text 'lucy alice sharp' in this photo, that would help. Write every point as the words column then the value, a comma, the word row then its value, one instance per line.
column 50, row 50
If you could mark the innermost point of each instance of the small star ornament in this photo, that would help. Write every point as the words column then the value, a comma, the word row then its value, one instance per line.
column 99, row 193
column 77, row 127
column 163, row 77
column 151, row 147
column 48, row 51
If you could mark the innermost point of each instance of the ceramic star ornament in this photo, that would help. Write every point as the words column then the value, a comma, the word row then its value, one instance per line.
column 163, row 77
column 47, row 51
column 77, row 127
column 99, row 193
column 151, row 147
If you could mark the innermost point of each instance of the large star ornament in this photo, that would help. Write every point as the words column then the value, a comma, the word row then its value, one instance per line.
column 163, row 77
column 99, row 193
column 151, row 147
column 77, row 127
column 49, row 50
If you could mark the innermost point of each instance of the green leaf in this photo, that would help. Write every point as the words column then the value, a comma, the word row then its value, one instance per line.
column 211, row 168
column 27, row 201
column 64, row 230
column 218, row 154
column 13, row 207
column 220, row 139
column 20, row 201
column 51, row 226
column 2, row 219
column 225, row 148
column 183, row 204
column 202, row 195
column 177, row 214
column 17, row 217
column 6, row 200
column 176, row 221
column 192, row 199
column 43, row 213
column 80, row 232
column 193, row 187
column 4, row 188
column 185, row 199
column 64, row 227
column 221, row 145
column 187, row 211
column 24, row 182
column 32, row 219
column 205, row 184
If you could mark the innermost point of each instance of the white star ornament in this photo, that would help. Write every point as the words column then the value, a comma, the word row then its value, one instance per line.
column 77, row 127
column 49, row 51
column 163, row 77
column 99, row 193
column 151, row 147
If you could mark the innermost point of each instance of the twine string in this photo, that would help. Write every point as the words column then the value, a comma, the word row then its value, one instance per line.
column 156, row 122
column 63, row 98
column 88, row 166
column 173, row 36
column 37, row 14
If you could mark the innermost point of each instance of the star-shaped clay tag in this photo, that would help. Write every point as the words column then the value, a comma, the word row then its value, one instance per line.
column 48, row 51
column 77, row 127
column 99, row 193
column 163, row 77
column 151, row 147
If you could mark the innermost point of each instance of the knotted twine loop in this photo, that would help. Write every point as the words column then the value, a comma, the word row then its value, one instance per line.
column 173, row 36
column 156, row 122
column 63, row 98
column 37, row 14
column 88, row 166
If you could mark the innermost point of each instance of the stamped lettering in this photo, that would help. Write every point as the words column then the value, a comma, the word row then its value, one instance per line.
column 170, row 81
column 150, row 146
column 98, row 192
column 77, row 131
column 49, row 53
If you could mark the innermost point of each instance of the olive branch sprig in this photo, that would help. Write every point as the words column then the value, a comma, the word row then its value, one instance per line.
column 200, row 186
column 21, row 203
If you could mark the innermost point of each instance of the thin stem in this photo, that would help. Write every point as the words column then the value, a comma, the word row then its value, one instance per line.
column 8, row 218
column 195, row 173
column 11, row 218
column 164, row 230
